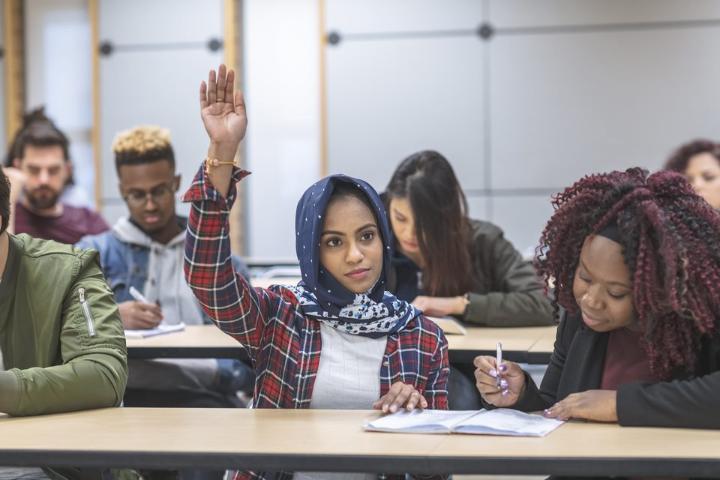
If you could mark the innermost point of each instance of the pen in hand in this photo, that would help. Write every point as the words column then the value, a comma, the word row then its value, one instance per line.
column 137, row 295
column 499, row 381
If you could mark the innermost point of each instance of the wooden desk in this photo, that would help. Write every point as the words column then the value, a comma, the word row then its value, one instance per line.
column 207, row 341
column 516, row 343
column 196, row 341
column 334, row 441
column 542, row 349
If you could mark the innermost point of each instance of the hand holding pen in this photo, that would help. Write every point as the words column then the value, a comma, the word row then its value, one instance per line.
column 499, row 382
column 140, row 313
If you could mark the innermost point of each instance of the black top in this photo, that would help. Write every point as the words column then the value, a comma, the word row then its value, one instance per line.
column 576, row 365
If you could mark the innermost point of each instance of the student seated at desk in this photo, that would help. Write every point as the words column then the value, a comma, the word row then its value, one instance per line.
column 636, row 263
column 337, row 339
column 448, row 264
column 41, row 151
column 62, row 346
column 145, row 251
column 699, row 161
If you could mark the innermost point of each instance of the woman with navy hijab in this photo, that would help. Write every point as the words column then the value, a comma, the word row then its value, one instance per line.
column 337, row 339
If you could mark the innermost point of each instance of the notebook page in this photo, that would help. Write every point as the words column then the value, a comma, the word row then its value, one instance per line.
column 419, row 421
column 505, row 421
column 151, row 332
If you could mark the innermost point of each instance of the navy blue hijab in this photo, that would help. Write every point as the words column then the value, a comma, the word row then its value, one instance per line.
column 374, row 313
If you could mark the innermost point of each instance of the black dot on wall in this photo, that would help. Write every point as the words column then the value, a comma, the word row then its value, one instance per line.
column 214, row 44
column 106, row 48
column 334, row 38
column 486, row 31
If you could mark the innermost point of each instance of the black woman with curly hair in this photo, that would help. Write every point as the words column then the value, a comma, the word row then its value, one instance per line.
column 636, row 267
column 699, row 161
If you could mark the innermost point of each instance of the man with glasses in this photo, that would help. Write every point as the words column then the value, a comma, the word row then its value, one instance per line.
column 145, row 251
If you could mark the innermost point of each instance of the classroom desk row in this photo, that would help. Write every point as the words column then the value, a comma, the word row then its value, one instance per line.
column 526, row 345
column 333, row 440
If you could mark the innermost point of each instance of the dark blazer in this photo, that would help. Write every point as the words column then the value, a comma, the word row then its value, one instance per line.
column 576, row 365
column 506, row 291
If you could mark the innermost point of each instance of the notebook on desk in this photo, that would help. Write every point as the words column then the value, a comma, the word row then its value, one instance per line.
column 502, row 421
column 151, row 332
column 449, row 325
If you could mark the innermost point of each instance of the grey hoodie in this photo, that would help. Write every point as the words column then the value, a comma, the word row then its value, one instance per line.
column 166, row 285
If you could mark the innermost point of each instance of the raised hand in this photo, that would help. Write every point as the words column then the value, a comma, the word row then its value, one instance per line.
column 223, row 111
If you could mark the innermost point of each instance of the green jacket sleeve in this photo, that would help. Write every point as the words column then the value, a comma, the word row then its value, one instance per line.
column 513, row 294
column 93, row 371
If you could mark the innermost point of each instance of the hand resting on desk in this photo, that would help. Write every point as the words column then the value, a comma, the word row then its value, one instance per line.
column 400, row 395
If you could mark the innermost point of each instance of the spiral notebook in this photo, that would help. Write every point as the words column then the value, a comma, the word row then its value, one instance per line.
column 502, row 421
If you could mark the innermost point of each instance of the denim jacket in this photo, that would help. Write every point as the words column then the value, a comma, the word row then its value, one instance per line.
column 129, row 258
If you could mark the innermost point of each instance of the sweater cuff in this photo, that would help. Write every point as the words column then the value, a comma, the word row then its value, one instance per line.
column 202, row 189
column 476, row 309
column 624, row 403
column 9, row 391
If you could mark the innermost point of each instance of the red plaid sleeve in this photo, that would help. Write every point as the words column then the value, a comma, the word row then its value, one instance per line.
column 238, row 309
column 436, row 388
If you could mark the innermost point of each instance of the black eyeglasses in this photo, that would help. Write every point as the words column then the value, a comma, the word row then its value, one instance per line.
column 138, row 198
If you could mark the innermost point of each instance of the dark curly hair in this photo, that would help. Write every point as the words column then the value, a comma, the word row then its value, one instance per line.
column 680, row 158
column 670, row 244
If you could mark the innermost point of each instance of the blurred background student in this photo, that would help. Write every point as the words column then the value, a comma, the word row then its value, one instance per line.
column 699, row 161
column 40, row 150
column 146, row 250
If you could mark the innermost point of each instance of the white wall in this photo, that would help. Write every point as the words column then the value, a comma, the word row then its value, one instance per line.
column 59, row 75
column 564, row 88
column 152, row 76
column 282, row 87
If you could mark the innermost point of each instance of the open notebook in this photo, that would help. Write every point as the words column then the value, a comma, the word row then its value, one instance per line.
column 151, row 332
column 502, row 421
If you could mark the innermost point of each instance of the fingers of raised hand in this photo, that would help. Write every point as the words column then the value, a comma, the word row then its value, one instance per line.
column 221, row 82
column 212, row 87
column 203, row 95
column 230, row 86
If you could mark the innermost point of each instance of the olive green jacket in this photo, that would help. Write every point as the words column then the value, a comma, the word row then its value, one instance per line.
column 61, row 338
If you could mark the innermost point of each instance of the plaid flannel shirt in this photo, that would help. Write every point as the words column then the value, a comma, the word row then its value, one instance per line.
column 283, row 344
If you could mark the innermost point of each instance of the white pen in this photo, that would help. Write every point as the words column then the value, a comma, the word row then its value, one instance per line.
column 139, row 296
column 498, row 362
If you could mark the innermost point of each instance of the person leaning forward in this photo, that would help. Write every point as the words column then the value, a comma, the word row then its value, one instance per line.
column 61, row 339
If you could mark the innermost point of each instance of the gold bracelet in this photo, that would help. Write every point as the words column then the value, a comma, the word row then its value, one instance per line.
column 216, row 162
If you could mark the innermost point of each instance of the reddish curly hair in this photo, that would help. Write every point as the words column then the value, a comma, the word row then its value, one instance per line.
column 670, row 238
